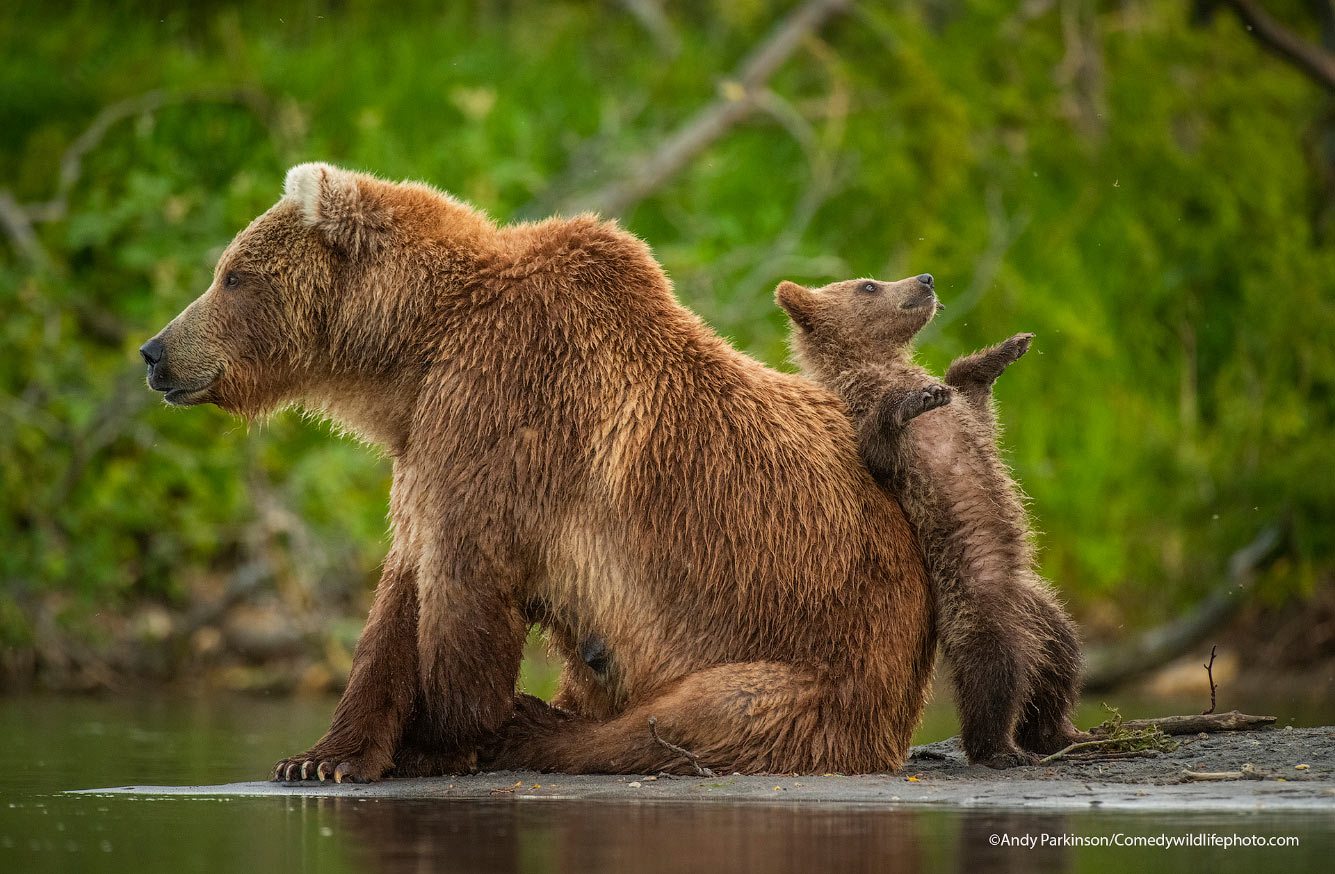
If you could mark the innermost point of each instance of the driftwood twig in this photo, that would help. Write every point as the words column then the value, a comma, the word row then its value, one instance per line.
column 1209, row 673
column 691, row 757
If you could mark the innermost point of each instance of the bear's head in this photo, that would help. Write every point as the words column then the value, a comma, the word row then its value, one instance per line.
column 857, row 319
column 327, row 290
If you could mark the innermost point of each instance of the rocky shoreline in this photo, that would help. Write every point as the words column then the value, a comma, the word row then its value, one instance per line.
column 1269, row 769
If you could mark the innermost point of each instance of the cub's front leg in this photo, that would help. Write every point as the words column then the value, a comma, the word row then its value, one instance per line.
column 880, row 433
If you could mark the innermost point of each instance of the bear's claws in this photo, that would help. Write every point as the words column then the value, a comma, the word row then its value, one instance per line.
column 289, row 771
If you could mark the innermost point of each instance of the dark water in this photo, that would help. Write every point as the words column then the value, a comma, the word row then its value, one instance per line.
column 54, row 744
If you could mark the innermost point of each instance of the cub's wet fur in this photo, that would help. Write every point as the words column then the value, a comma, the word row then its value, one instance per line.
column 1013, row 650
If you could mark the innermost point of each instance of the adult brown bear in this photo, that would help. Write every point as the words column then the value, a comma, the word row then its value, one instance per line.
column 574, row 448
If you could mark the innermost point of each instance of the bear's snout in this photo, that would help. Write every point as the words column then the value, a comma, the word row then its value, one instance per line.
column 153, row 351
column 155, row 356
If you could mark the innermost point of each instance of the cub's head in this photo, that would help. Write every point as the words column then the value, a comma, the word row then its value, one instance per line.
column 858, row 319
column 321, row 289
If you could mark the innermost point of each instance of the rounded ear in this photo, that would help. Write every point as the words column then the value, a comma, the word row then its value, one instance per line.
column 339, row 204
column 798, row 302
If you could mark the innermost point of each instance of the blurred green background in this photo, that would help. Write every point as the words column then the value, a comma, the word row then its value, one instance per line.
column 1138, row 182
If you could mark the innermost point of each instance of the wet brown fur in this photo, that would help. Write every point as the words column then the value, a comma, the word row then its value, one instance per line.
column 571, row 448
column 1013, row 650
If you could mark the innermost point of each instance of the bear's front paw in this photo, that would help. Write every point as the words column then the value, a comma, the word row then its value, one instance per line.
column 317, row 765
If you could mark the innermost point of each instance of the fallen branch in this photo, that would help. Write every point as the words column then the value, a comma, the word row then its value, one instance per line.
column 1112, row 756
column 1103, row 743
column 1230, row 721
column 1248, row 772
column 1109, row 667
column 739, row 97
column 1120, row 739
column 691, row 757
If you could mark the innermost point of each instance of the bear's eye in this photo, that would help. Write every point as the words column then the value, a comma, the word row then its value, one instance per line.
column 231, row 280
column 869, row 287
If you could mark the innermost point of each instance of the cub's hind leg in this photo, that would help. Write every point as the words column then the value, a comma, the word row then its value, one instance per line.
column 990, row 672
column 1045, row 725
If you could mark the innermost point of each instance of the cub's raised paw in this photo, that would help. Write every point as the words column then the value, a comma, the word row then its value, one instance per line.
column 1018, row 345
column 313, row 766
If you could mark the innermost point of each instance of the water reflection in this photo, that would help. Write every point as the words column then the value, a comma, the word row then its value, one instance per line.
column 565, row 836
column 560, row 836
column 59, row 743
column 977, row 854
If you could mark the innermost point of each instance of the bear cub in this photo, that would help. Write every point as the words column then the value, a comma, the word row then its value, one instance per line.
column 1013, row 650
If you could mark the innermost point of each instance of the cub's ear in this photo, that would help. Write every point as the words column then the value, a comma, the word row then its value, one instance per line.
column 344, row 206
column 798, row 302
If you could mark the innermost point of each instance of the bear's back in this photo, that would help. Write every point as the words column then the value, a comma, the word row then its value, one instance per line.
column 707, row 476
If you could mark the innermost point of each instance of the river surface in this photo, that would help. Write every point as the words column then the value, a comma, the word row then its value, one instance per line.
column 52, row 744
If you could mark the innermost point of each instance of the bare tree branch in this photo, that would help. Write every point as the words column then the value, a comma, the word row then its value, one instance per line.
column 650, row 15
column 1111, row 666
column 17, row 219
column 1003, row 230
column 1317, row 64
column 17, row 224
column 739, row 97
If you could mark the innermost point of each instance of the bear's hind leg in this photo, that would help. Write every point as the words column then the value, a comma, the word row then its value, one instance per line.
column 751, row 718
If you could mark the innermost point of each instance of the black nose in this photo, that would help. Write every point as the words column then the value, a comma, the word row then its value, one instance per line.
column 925, row 279
column 153, row 351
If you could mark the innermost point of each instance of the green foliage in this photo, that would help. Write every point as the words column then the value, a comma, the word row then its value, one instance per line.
column 1113, row 737
column 1155, row 216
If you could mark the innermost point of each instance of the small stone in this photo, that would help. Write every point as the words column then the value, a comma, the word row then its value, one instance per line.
column 635, row 784
column 649, row 779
